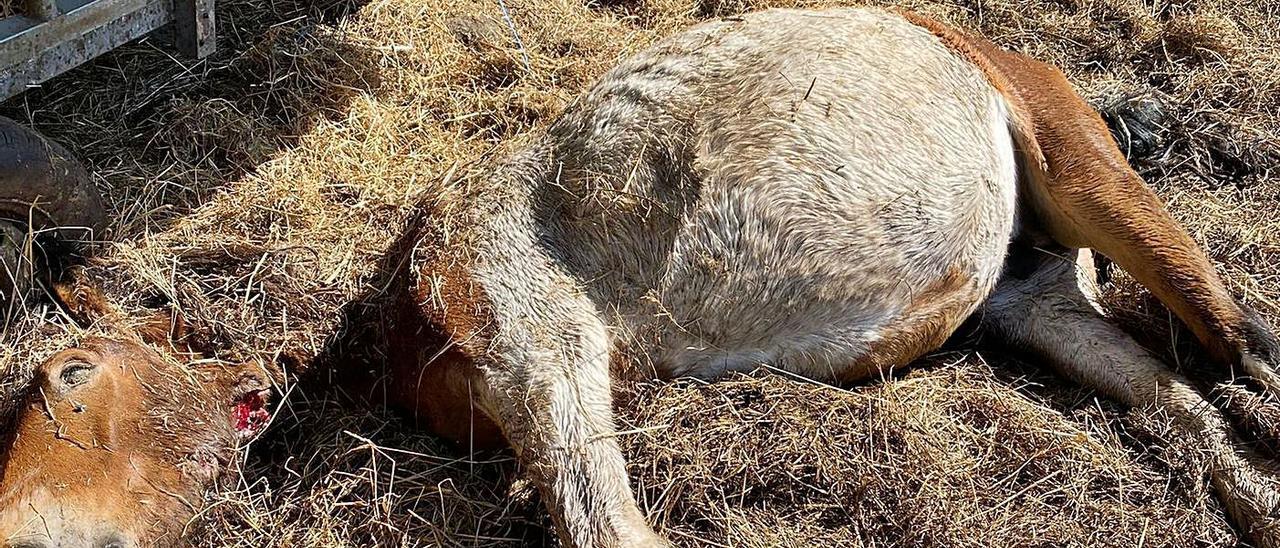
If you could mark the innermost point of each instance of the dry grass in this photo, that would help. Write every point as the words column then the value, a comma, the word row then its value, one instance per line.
column 260, row 191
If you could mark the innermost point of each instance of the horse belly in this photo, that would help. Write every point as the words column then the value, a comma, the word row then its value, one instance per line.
column 847, row 224
column 757, row 282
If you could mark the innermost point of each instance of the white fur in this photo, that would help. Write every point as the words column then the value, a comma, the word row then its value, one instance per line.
column 805, row 211
column 776, row 190
column 789, row 188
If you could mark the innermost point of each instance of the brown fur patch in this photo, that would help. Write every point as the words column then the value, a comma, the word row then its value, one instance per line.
column 441, row 323
column 448, row 296
column 434, row 381
column 1086, row 195
column 934, row 313
column 83, row 301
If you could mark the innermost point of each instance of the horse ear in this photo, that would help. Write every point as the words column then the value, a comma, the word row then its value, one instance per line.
column 167, row 328
column 83, row 302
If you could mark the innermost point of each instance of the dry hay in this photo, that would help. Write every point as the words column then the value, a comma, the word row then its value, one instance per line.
column 260, row 191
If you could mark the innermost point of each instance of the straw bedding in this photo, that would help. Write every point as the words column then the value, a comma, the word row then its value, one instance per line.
column 261, row 191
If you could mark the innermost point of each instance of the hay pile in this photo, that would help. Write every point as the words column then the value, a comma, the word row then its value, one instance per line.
column 260, row 191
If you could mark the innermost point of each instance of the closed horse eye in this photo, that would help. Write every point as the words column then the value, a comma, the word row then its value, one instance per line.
column 76, row 373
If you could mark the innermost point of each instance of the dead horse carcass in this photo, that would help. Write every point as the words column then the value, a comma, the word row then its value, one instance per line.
column 829, row 192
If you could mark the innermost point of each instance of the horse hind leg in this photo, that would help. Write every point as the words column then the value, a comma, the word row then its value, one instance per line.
column 540, row 372
column 1051, row 309
column 1086, row 196
column 1083, row 193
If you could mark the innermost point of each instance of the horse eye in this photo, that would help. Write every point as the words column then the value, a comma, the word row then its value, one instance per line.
column 76, row 373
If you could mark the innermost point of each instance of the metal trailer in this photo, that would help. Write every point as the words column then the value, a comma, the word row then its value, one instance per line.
column 47, row 200
column 46, row 38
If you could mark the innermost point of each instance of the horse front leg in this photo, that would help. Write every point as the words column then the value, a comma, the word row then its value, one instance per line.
column 541, row 360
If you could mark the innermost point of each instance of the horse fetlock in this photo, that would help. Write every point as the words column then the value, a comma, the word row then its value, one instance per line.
column 1258, row 350
column 1261, row 372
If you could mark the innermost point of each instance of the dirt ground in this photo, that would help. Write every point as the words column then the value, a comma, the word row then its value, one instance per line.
column 260, row 191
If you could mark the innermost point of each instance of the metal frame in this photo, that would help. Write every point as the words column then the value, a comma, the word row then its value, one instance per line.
column 50, row 37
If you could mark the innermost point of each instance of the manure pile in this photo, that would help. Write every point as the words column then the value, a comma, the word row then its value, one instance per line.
column 261, row 191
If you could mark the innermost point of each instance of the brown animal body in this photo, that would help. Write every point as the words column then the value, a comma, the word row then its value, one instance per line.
column 107, row 425
column 120, row 428
column 831, row 193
